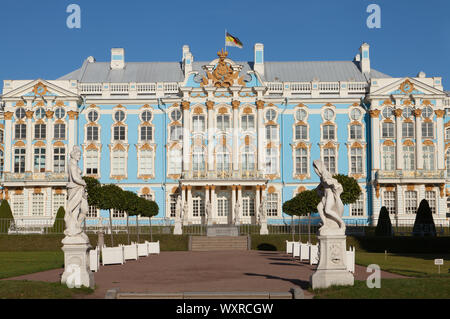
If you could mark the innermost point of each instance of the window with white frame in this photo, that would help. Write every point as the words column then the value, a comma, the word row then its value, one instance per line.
column 409, row 158
column 272, row 204
column 388, row 158
column 248, row 205
column 198, row 161
column 20, row 113
column 408, row 130
column 175, row 161
column 59, row 131
column 37, row 204
column 146, row 133
column 198, row 122
column 430, row 196
column 222, row 205
column 357, row 208
column 223, row 122
column 145, row 162
column 428, row 157
column 271, row 133
column 60, row 113
column 92, row 212
column 93, row 115
column 19, row 160
column 147, row 196
column 92, row 162
column 248, row 159
column 222, row 159
column 301, row 132
column 389, row 201
column 59, row 200
column 20, row 131
column 410, row 202
column 427, row 130
column 146, row 116
column 17, row 204
column 59, row 160
column 271, row 160
column 329, row 159
column 387, row 130
column 247, row 122
column 328, row 132
column 356, row 132
column 118, row 163
column 40, row 131
column 176, row 133
column 173, row 204
column 118, row 213
column 119, row 133
column 301, row 161
column 447, row 134
column 198, row 206
column 39, row 160
column 356, row 160
column 92, row 133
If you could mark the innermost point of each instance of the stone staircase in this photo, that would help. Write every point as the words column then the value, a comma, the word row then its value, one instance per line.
column 207, row 243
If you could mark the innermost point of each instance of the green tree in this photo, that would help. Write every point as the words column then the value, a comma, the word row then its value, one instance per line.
column 384, row 225
column 93, row 188
column 130, row 199
column 148, row 208
column 424, row 223
column 6, row 216
column 59, row 225
column 110, row 196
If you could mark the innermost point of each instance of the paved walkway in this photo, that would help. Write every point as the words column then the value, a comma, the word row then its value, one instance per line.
column 187, row 271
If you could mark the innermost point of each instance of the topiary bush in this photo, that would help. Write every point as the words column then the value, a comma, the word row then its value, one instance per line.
column 384, row 225
column 6, row 216
column 424, row 223
column 59, row 225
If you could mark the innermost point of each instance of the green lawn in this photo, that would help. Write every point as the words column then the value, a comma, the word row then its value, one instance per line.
column 12, row 289
column 411, row 288
column 413, row 265
column 19, row 263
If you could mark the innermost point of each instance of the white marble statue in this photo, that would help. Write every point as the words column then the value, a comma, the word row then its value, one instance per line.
column 237, row 209
column 263, row 217
column 330, row 207
column 77, row 204
column 185, row 211
column 208, row 209
column 178, row 208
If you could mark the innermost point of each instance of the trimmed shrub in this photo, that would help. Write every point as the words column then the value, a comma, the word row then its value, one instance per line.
column 6, row 216
column 384, row 226
column 424, row 223
column 59, row 225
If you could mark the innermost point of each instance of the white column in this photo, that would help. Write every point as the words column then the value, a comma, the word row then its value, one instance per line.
column 8, row 153
column 398, row 136
column 400, row 208
column 29, row 145
column 375, row 205
column 440, row 138
column 48, row 145
column 211, row 131
column 376, row 151
column 189, row 199
column 257, row 200
column 260, row 133
column 73, row 116
column 419, row 152
column 233, row 201
column 235, row 105
column 239, row 199
column 213, row 202
column 186, row 135
column 207, row 192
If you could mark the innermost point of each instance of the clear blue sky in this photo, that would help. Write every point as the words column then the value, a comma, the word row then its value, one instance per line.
column 35, row 41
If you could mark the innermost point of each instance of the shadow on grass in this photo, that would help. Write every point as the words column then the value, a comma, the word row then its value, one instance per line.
column 300, row 283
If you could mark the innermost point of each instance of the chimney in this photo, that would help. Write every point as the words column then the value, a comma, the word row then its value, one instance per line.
column 259, row 58
column 365, row 58
column 117, row 58
column 188, row 59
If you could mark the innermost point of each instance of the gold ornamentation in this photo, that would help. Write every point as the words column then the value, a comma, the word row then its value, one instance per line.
column 58, row 191
column 374, row 113
column 8, row 115
column 37, row 190
column 39, row 144
column 259, row 104
column 410, row 187
column 72, row 115
column 40, row 89
column 301, row 145
column 428, row 143
column 60, row 103
column 301, row 189
column 440, row 113
column 20, row 103
column 271, row 190
column 223, row 75
column 186, row 105
column 59, row 144
column 49, row 114
column 90, row 147
column 441, row 188
column 426, row 102
column 119, row 147
column 356, row 145
column 388, row 143
column 209, row 105
column 248, row 110
column 408, row 143
column 329, row 145
column 235, row 104
column 407, row 87
column 398, row 112
column 247, row 140
column 417, row 112
column 223, row 110
column 407, row 102
column 198, row 110
column 301, row 105
column 19, row 144
column 377, row 189
column 29, row 114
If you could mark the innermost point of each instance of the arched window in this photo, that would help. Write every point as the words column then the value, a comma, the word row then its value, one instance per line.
column 271, row 133
column 119, row 133
column 427, row 130
column 198, row 162
column 248, row 159
column 146, row 133
column 356, row 160
column 223, row 204
column 428, row 157
column 19, row 160
column 271, row 160
column 59, row 131
column 248, row 204
column 222, row 159
column 40, row 131
column 20, row 131
column 410, row 202
column 92, row 133
column 198, row 205
column 409, row 158
column 301, row 161
column 272, row 204
column 92, row 162
column 430, row 196
column 176, row 133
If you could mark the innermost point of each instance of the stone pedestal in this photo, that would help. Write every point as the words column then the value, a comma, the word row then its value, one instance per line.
column 101, row 239
column 76, row 262
column 263, row 230
column 332, row 268
column 178, row 230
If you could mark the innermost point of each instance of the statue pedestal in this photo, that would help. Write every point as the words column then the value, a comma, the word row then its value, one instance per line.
column 178, row 230
column 332, row 268
column 76, row 262
column 264, row 230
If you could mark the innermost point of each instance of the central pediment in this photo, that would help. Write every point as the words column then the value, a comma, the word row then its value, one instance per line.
column 222, row 72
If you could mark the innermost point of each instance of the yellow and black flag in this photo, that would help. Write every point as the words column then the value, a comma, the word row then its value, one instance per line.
column 231, row 41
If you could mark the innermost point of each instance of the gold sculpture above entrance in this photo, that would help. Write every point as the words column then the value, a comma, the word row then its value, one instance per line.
column 223, row 75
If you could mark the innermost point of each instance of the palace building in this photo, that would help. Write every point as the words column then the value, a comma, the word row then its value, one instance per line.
column 230, row 132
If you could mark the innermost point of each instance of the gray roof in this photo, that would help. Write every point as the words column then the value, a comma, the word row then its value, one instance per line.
column 149, row 72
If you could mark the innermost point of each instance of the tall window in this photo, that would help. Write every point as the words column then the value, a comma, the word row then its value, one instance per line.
column 248, row 159
column 59, row 200
column 329, row 132
column 223, row 159
column 119, row 133
column 173, row 204
column 176, row 133
column 223, row 122
column 198, row 206
column 247, row 122
column 430, row 196
column 37, row 204
column 92, row 133
column 198, row 123
column 146, row 162
column 19, row 160
column 222, row 206
column 301, row 161
column 271, row 132
column 118, row 163
column 355, row 132
column 40, row 131
column 59, row 160
column 410, row 202
column 408, row 130
column 175, row 161
column 387, row 130
column 146, row 133
column 17, row 204
column 198, row 163
column 59, row 131
column 329, row 159
column 20, row 131
column 389, row 201
column 272, row 204
column 447, row 134
column 427, row 130
column 271, row 160
column 428, row 157
column 248, row 205
column 39, row 160
column 356, row 159
column 388, row 158
column 92, row 162
column 409, row 158
column 301, row 132
column 357, row 208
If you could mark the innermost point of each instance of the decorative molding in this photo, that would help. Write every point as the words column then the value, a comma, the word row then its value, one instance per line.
column 209, row 105
column 223, row 75
column 9, row 115
column 259, row 104
column 29, row 114
column 407, row 87
column 388, row 143
column 73, row 115
column 235, row 104
column 398, row 112
column 186, row 105
column 417, row 112
column 374, row 113
column 440, row 113
column 408, row 143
